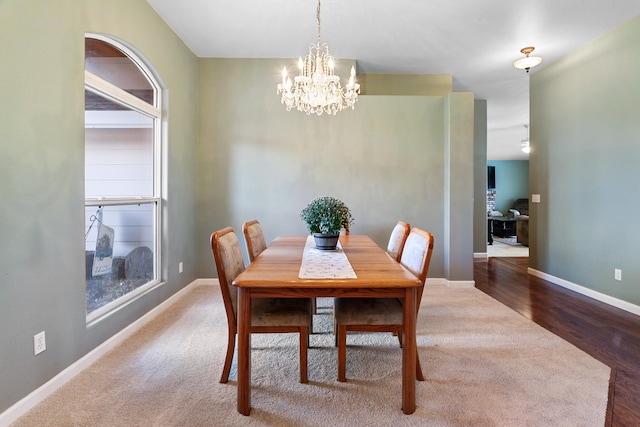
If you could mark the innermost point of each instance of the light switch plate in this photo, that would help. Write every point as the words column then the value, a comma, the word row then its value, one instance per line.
column 535, row 198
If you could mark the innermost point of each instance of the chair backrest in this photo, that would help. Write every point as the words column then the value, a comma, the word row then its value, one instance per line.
column 229, row 264
column 397, row 239
column 254, row 238
column 416, row 255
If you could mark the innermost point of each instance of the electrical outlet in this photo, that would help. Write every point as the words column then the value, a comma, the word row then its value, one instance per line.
column 39, row 343
column 535, row 198
column 180, row 267
column 617, row 274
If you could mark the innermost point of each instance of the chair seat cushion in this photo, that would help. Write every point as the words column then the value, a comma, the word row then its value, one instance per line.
column 280, row 311
column 368, row 311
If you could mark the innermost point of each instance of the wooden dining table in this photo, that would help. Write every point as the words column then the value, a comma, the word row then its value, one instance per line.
column 275, row 273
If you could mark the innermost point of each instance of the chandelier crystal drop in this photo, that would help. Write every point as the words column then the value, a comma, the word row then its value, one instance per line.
column 316, row 89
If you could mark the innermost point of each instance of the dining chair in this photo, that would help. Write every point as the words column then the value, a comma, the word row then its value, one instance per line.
column 383, row 314
column 268, row 315
column 395, row 246
column 254, row 238
column 397, row 239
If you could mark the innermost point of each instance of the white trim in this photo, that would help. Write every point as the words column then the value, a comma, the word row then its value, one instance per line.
column 121, row 201
column 440, row 281
column 108, row 90
column 483, row 256
column 24, row 405
column 137, row 58
column 435, row 282
column 116, row 305
column 32, row 399
column 207, row 282
column 461, row 284
column 127, row 119
column 615, row 302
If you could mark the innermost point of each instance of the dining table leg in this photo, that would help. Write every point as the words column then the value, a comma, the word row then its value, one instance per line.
column 244, row 351
column 409, row 353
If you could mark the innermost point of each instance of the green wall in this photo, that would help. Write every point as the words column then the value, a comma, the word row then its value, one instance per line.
column 480, row 178
column 232, row 153
column 585, row 153
column 458, row 189
column 512, row 182
column 387, row 160
column 42, row 282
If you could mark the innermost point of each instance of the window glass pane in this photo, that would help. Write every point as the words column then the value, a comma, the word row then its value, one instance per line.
column 122, row 171
column 118, row 153
column 108, row 62
column 119, row 254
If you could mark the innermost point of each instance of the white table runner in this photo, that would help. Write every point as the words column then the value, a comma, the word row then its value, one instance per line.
column 319, row 264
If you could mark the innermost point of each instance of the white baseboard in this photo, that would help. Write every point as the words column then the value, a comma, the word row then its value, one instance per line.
column 461, row 283
column 208, row 282
column 615, row 302
column 32, row 399
column 439, row 281
column 481, row 255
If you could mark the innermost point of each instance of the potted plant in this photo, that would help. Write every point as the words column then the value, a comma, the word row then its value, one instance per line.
column 325, row 217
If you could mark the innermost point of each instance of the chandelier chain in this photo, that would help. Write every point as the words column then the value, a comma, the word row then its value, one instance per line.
column 318, row 17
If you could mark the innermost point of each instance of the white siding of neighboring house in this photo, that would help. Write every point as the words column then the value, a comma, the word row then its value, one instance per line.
column 119, row 162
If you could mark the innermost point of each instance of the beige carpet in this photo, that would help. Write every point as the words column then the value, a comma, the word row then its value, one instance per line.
column 484, row 364
column 507, row 247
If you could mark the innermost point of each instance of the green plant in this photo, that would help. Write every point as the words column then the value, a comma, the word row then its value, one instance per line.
column 326, row 215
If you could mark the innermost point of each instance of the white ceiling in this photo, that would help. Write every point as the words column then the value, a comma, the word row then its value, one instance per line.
column 475, row 41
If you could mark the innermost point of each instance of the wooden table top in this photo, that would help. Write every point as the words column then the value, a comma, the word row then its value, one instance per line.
column 279, row 265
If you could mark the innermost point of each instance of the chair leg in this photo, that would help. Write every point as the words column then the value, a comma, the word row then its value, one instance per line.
column 314, row 310
column 335, row 329
column 304, row 344
column 419, row 374
column 342, row 352
column 231, row 345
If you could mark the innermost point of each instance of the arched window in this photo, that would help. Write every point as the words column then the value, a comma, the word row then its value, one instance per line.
column 122, row 175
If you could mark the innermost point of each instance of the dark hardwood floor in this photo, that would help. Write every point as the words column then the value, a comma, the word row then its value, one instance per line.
column 607, row 333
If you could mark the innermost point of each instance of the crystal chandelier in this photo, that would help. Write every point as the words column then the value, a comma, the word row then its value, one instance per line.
column 316, row 89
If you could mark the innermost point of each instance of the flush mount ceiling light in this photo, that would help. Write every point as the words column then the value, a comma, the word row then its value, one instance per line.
column 527, row 62
column 316, row 89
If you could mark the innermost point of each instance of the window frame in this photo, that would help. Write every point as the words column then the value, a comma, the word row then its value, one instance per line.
column 99, row 86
